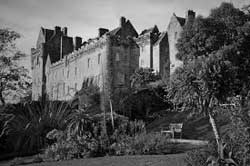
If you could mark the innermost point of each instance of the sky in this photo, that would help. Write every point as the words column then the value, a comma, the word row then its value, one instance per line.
column 84, row 17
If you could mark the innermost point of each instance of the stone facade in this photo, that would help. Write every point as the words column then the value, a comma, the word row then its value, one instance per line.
column 49, row 43
column 107, row 61
column 175, row 28
column 154, row 50
column 60, row 64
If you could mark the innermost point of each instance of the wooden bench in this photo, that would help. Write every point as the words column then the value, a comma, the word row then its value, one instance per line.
column 172, row 129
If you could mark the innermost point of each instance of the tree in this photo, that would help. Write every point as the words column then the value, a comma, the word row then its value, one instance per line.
column 14, row 79
column 142, row 77
column 210, row 34
column 145, row 97
column 201, row 38
column 216, row 63
column 200, row 85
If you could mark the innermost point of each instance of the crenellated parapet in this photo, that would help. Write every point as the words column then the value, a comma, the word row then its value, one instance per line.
column 88, row 46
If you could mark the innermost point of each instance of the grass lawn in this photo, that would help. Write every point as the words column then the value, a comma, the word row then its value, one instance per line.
column 146, row 160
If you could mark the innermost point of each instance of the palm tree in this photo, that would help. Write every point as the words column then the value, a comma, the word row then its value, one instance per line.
column 199, row 86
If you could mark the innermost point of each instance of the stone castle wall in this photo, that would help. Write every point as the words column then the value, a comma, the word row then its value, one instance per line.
column 59, row 67
column 37, row 68
column 145, row 51
column 107, row 64
column 66, row 76
column 174, row 31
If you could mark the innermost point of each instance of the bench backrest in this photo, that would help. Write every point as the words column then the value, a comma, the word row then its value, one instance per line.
column 176, row 127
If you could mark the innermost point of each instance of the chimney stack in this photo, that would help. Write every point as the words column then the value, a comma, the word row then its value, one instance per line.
column 65, row 31
column 57, row 29
column 190, row 15
column 102, row 31
column 78, row 42
column 122, row 21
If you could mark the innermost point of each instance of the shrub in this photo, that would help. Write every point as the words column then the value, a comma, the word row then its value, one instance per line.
column 64, row 147
column 26, row 124
column 198, row 157
column 85, row 137
column 141, row 144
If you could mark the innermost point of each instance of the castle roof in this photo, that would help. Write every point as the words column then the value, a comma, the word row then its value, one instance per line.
column 162, row 35
column 150, row 30
column 114, row 31
column 181, row 20
column 47, row 33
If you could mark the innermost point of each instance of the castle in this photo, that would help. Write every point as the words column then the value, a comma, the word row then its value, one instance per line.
column 60, row 64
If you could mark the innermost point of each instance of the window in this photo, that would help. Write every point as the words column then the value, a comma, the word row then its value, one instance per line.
column 117, row 57
column 75, row 70
column 99, row 58
column 142, row 62
column 75, row 86
column 64, row 88
column 121, row 78
column 175, row 35
column 88, row 62
column 51, row 92
column 68, row 89
column 68, row 74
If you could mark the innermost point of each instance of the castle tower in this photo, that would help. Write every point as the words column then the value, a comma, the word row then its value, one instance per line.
column 175, row 27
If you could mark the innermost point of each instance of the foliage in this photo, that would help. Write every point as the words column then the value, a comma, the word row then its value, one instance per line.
column 208, row 35
column 201, row 157
column 201, row 38
column 216, row 64
column 26, row 124
column 143, row 104
column 237, row 136
column 199, row 82
column 89, row 140
column 142, row 77
column 14, row 79
column 198, row 157
column 145, row 97
column 69, row 146
column 88, row 97
column 225, row 33
column 150, row 144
